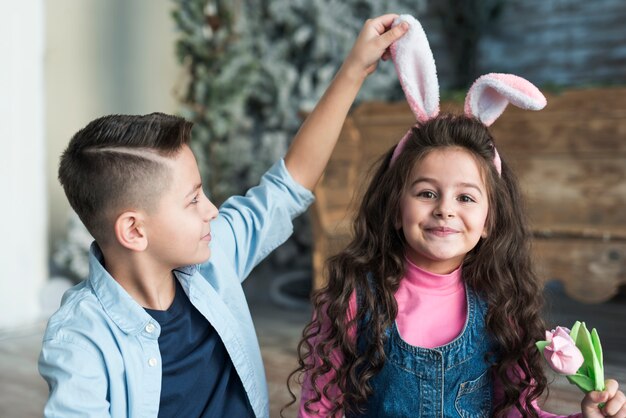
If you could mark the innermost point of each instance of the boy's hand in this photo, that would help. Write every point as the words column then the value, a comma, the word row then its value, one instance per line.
column 372, row 44
column 311, row 148
column 614, row 402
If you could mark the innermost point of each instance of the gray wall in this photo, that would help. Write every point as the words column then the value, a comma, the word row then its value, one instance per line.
column 562, row 42
column 559, row 42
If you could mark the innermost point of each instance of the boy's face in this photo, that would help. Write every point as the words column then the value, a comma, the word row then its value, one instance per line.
column 178, row 231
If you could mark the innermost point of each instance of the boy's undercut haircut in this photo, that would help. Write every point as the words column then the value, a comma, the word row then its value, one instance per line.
column 117, row 163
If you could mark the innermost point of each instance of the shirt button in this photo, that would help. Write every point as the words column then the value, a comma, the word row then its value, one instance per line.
column 152, row 362
column 150, row 328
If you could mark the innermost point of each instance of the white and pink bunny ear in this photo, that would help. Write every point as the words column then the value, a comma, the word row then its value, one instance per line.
column 417, row 73
column 491, row 93
column 416, row 69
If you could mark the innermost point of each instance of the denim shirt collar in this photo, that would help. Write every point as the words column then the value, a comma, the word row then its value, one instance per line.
column 123, row 310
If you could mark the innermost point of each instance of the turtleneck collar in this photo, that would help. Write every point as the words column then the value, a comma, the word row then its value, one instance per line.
column 431, row 282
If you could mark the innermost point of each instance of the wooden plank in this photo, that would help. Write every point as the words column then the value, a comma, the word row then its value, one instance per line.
column 591, row 271
column 580, row 232
column 574, row 190
column 572, row 133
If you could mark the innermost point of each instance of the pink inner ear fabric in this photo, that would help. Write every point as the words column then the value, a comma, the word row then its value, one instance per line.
column 491, row 93
column 525, row 87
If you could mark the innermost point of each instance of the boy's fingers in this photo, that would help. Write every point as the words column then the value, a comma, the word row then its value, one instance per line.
column 394, row 33
column 381, row 23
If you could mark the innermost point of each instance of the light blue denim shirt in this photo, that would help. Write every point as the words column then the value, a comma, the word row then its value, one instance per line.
column 100, row 353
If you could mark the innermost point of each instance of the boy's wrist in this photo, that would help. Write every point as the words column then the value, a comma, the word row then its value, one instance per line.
column 352, row 74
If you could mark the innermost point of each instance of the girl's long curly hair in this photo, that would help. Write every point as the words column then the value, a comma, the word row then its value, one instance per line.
column 499, row 268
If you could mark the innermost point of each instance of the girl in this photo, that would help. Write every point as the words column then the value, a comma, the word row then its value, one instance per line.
column 433, row 308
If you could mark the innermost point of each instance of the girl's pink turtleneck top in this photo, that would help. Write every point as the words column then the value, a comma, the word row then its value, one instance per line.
column 419, row 295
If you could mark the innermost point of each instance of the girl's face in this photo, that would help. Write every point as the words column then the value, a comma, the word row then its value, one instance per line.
column 443, row 209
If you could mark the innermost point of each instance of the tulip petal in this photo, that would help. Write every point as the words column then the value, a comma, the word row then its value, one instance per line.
column 554, row 360
column 563, row 333
column 558, row 343
column 563, row 356
column 576, row 354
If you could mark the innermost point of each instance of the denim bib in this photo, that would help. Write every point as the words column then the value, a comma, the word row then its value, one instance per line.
column 453, row 380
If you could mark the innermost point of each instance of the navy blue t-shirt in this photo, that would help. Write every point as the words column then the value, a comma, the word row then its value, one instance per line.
column 199, row 379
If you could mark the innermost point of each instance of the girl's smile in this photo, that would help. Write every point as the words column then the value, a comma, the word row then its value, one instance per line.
column 441, row 231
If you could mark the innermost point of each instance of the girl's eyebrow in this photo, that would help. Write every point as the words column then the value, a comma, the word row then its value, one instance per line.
column 433, row 181
column 471, row 185
column 423, row 180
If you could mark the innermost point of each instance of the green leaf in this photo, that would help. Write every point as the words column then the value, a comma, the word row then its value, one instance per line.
column 574, row 331
column 541, row 345
column 584, row 344
column 583, row 382
column 598, row 374
column 595, row 340
column 598, row 366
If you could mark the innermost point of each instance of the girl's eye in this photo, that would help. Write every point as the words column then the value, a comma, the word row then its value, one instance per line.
column 427, row 194
column 466, row 199
column 194, row 200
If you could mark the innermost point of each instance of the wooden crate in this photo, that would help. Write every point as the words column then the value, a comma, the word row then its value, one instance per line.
column 571, row 162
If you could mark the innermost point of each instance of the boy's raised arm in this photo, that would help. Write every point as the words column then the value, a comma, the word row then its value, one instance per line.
column 312, row 146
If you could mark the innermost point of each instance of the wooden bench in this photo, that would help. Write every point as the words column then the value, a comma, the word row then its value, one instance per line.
column 571, row 162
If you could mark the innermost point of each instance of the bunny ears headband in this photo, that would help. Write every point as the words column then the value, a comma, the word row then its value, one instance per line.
column 485, row 100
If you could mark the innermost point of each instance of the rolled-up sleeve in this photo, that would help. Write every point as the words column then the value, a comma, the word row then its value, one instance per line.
column 249, row 227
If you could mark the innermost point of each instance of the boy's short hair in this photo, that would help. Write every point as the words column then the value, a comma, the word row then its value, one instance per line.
column 117, row 163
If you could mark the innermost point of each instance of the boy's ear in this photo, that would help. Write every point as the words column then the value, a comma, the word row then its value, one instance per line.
column 130, row 231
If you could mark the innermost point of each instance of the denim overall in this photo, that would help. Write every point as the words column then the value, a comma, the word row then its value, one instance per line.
column 453, row 380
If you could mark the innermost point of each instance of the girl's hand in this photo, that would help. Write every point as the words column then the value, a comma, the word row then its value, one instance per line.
column 614, row 402
column 372, row 44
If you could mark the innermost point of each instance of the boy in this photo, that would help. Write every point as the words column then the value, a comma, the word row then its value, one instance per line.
column 143, row 336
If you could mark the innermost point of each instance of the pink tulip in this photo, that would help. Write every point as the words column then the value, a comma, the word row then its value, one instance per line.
column 561, row 353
